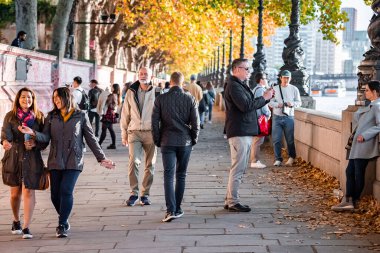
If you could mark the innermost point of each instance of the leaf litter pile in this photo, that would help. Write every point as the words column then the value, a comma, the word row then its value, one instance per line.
column 315, row 188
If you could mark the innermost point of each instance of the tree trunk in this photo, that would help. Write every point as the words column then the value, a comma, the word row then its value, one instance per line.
column 26, row 20
column 60, row 22
column 84, row 15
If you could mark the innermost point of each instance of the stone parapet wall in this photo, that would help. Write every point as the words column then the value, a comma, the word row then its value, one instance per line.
column 318, row 139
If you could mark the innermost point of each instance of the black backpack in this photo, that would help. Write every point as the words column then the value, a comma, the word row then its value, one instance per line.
column 94, row 97
column 85, row 102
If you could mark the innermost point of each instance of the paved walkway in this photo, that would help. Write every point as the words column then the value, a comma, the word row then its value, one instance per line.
column 101, row 222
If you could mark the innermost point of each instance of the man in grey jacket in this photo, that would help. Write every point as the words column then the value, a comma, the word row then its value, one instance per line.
column 136, row 132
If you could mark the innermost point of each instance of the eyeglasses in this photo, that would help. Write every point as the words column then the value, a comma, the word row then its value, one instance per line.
column 243, row 68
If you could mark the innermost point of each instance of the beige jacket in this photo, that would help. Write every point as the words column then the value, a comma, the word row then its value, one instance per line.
column 196, row 91
column 131, row 118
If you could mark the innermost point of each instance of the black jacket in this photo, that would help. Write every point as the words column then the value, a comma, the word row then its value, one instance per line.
column 241, row 106
column 93, row 96
column 175, row 119
column 18, row 163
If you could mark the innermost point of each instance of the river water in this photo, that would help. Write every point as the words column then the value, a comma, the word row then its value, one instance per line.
column 335, row 105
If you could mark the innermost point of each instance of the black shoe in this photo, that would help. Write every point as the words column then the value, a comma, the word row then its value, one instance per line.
column 226, row 206
column 179, row 213
column 61, row 231
column 26, row 234
column 16, row 228
column 239, row 208
column 112, row 146
column 201, row 126
column 67, row 226
column 144, row 201
column 169, row 217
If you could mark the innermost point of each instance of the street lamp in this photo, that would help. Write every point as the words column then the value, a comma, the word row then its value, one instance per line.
column 259, row 64
column 242, row 38
column 106, row 20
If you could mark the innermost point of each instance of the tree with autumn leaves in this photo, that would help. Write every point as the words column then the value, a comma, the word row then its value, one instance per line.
column 177, row 34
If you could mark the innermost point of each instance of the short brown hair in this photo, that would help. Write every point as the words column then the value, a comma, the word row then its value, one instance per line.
column 177, row 78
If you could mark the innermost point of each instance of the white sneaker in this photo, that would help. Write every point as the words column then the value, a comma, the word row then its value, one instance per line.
column 289, row 162
column 225, row 136
column 343, row 206
column 277, row 163
column 210, row 122
column 258, row 165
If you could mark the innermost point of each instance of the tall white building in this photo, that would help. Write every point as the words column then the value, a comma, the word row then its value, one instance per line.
column 321, row 56
column 307, row 33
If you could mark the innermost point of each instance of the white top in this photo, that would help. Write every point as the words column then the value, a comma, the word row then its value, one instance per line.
column 77, row 94
column 291, row 94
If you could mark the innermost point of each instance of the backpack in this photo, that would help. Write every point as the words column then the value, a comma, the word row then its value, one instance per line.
column 84, row 104
column 94, row 97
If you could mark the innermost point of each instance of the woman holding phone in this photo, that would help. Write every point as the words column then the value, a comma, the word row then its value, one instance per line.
column 22, row 164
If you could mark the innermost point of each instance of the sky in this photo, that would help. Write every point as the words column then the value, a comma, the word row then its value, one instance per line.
column 364, row 13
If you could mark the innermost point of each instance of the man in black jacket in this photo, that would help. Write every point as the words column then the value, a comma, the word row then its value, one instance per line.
column 175, row 124
column 93, row 96
column 241, row 125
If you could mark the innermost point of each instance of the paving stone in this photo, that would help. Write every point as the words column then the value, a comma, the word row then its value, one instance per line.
column 101, row 222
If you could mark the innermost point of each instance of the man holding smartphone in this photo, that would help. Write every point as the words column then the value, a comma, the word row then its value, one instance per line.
column 241, row 126
column 287, row 97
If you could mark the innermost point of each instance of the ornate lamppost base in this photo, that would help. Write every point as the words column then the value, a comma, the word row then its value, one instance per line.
column 368, row 70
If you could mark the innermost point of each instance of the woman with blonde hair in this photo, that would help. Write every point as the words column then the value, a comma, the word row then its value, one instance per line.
column 22, row 164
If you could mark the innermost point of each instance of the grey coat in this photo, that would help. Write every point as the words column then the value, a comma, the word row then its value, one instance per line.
column 367, row 121
column 66, row 140
column 19, row 164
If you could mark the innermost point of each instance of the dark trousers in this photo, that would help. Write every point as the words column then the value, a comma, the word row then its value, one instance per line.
column 175, row 161
column 92, row 116
column 62, row 183
column 109, row 126
column 355, row 176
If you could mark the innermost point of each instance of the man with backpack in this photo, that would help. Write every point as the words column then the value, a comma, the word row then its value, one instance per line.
column 93, row 96
column 80, row 97
column 79, row 94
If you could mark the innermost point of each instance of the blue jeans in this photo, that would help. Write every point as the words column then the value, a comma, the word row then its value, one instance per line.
column 210, row 111
column 355, row 177
column 240, row 148
column 175, row 161
column 62, row 183
column 280, row 125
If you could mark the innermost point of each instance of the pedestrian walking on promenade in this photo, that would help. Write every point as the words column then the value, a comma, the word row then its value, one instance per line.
column 93, row 96
column 241, row 125
column 203, row 105
column 287, row 97
column 113, row 105
column 65, row 126
column 362, row 147
column 136, row 132
column 22, row 164
column 175, row 124
column 79, row 94
column 257, row 141
column 211, row 95
column 194, row 89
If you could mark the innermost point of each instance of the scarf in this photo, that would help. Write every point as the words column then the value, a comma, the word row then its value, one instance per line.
column 67, row 116
column 25, row 118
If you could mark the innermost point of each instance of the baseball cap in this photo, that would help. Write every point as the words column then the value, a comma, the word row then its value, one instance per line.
column 193, row 77
column 286, row 73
